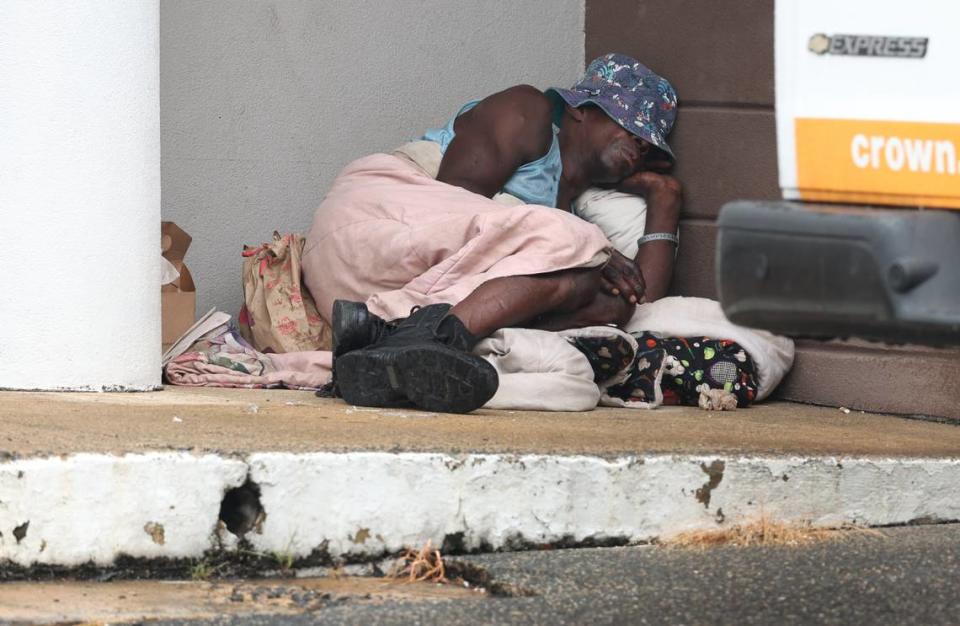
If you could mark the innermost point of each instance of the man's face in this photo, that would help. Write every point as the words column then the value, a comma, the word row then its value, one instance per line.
column 619, row 154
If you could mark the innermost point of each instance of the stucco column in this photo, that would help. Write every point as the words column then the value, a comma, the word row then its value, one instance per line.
column 79, row 194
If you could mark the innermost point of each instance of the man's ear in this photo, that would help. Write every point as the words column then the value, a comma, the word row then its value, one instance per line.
column 645, row 148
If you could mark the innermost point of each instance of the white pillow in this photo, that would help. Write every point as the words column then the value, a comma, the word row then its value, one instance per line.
column 621, row 216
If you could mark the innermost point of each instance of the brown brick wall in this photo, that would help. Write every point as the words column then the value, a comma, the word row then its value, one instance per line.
column 718, row 53
column 719, row 56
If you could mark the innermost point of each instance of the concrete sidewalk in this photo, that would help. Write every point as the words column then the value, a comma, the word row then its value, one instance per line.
column 240, row 421
column 90, row 477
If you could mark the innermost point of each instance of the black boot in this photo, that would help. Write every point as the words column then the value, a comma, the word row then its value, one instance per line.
column 425, row 360
column 355, row 327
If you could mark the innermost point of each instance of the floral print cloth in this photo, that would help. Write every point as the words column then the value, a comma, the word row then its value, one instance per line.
column 694, row 364
column 671, row 370
column 607, row 354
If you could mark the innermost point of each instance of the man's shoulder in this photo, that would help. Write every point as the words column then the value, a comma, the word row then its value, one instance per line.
column 527, row 99
column 521, row 116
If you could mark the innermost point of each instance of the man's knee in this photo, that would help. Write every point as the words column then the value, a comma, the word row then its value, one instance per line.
column 573, row 289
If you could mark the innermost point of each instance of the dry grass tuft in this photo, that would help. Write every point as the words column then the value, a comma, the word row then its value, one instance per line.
column 765, row 532
column 423, row 566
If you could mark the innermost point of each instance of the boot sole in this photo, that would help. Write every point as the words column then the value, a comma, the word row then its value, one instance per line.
column 432, row 377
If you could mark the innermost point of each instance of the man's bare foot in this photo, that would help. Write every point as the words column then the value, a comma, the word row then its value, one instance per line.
column 602, row 310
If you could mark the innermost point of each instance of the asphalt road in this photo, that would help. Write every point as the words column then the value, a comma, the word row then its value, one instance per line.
column 910, row 576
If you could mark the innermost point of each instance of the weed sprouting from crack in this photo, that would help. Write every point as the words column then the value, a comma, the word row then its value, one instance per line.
column 204, row 570
column 284, row 558
column 766, row 532
column 425, row 565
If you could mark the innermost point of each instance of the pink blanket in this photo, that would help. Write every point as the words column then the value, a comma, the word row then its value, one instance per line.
column 389, row 234
column 224, row 359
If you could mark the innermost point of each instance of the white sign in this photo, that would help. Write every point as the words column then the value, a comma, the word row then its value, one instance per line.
column 868, row 101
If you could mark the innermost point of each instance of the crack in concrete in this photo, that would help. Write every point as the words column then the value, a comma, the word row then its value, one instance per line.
column 20, row 532
column 714, row 472
column 241, row 510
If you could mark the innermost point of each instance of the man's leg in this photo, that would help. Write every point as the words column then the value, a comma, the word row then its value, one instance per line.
column 556, row 301
column 426, row 359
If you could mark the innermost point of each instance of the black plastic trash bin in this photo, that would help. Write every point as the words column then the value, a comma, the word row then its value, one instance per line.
column 840, row 271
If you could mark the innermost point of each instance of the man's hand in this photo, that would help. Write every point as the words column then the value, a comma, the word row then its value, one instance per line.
column 622, row 277
column 659, row 188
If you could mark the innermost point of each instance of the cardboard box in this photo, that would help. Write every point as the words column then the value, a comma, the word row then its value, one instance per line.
column 178, row 298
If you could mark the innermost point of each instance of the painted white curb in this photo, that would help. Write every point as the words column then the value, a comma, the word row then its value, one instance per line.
column 92, row 507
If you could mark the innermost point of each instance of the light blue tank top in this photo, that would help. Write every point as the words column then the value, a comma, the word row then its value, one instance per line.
column 536, row 182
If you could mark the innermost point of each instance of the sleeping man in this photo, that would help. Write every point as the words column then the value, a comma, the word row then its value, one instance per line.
column 446, row 265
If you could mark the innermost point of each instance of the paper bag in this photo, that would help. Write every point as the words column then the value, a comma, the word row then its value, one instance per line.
column 278, row 314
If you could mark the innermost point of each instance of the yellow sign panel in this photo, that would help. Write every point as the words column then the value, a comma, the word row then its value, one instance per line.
column 869, row 161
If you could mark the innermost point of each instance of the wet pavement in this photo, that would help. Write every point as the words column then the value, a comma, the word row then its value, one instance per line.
column 906, row 576
column 135, row 601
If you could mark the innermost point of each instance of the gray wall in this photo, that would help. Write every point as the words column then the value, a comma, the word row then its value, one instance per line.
column 262, row 103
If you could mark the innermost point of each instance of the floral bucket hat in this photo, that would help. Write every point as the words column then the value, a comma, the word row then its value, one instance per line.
column 642, row 102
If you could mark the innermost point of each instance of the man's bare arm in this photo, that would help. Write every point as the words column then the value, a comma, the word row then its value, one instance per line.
column 655, row 259
column 496, row 137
